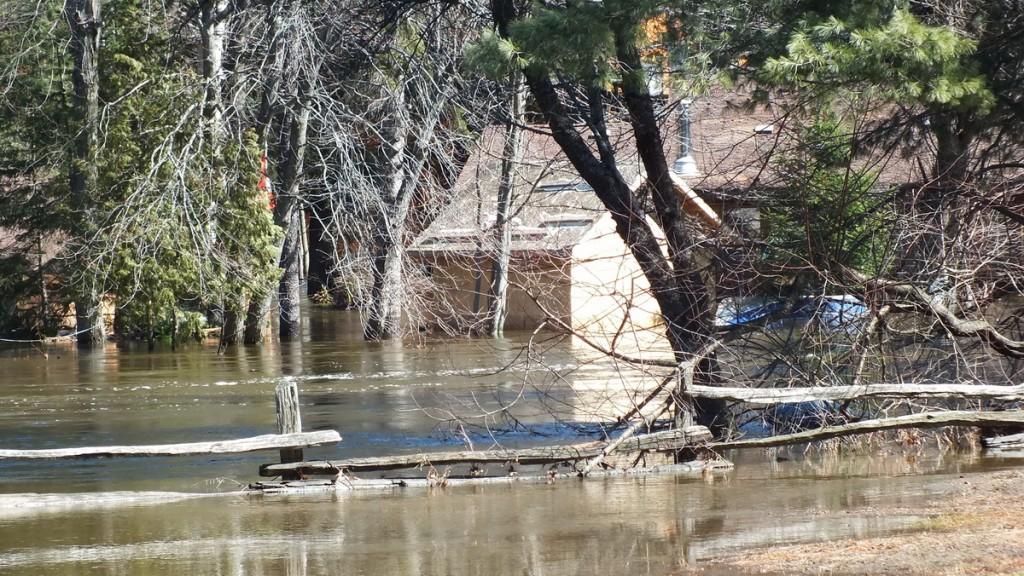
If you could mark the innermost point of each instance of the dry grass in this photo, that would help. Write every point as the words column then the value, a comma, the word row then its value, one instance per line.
column 976, row 530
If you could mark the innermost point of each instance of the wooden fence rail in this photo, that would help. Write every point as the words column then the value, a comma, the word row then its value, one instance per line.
column 768, row 396
column 290, row 440
column 253, row 444
column 667, row 440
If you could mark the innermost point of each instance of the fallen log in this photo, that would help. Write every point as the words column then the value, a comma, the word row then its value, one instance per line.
column 695, row 468
column 769, row 396
column 923, row 420
column 253, row 444
column 1010, row 441
column 658, row 441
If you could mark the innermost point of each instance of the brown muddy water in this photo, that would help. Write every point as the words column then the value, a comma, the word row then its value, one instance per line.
column 383, row 399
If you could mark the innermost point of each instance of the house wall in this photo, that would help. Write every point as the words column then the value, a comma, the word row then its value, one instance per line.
column 455, row 298
column 608, row 286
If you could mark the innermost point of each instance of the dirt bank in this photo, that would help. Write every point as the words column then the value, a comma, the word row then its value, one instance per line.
column 977, row 529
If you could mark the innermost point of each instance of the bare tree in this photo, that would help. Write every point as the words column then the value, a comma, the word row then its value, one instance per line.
column 498, row 309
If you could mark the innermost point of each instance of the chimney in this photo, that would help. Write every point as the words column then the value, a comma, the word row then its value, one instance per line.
column 685, row 165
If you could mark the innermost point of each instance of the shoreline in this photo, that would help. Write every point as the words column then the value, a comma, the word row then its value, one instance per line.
column 974, row 528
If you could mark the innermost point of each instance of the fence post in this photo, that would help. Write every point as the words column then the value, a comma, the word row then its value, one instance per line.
column 289, row 421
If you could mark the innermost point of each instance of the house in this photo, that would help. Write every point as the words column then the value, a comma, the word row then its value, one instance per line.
column 566, row 261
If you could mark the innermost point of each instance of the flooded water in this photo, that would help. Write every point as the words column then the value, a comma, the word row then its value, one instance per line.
column 388, row 398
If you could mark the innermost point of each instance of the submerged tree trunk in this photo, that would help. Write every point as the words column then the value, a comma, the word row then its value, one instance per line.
column 84, row 19
column 287, row 211
column 511, row 153
column 289, row 215
column 257, row 318
column 385, row 313
column 323, row 258
column 414, row 120
column 231, row 330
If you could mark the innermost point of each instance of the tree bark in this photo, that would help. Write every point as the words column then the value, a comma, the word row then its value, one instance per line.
column 232, row 329
column 213, row 28
column 289, row 213
column 84, row 18
column 385, row 312
column 511, row 153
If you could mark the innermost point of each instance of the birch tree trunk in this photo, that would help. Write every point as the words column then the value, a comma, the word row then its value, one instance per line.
column 84, row 18
column 511, row 153
column 213, row 26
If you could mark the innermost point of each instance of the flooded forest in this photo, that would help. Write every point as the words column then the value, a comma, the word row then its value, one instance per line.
column 506, row 287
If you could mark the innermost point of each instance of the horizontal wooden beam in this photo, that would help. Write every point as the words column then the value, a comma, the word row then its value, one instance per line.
column 253, row 444
column 657, row 441
column 769, row 396
column 694, row 468
column 1010, row 441
column 922, row 420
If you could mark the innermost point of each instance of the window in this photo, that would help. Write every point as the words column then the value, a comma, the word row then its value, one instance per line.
column 567, row 223
column 565, row 186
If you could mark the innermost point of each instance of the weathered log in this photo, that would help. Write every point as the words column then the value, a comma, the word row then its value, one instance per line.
column 695, row 468
column 253, row 444
column 923, row 420
column 1010, row 441
column 829, row 393
column 657, row 441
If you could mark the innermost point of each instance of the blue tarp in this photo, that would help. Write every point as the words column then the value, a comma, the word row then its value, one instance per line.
column 841, row 312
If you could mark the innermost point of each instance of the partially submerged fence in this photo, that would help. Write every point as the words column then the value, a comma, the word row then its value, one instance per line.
column 290, row 440
column 584, row 459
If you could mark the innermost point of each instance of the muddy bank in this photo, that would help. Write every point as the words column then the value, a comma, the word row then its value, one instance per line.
column 975, row 528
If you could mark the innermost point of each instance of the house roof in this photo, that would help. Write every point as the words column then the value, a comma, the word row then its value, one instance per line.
column 733, row 142
column 553, row 208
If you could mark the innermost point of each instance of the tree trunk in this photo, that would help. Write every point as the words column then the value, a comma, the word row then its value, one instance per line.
column 257, row 318
column 289, row 293
column 287, row 215
column 213, row 27
column 323, row 255
column 932, row 210
column 510, row 156
column 89, row 325
column 231, row 330
column 84, row 18
column 407, row 155
column 385, row 311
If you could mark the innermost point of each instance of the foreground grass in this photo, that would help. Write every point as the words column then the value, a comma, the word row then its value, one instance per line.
column 975, row 529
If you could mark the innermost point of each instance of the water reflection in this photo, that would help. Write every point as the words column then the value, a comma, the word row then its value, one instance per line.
column 651, row 525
